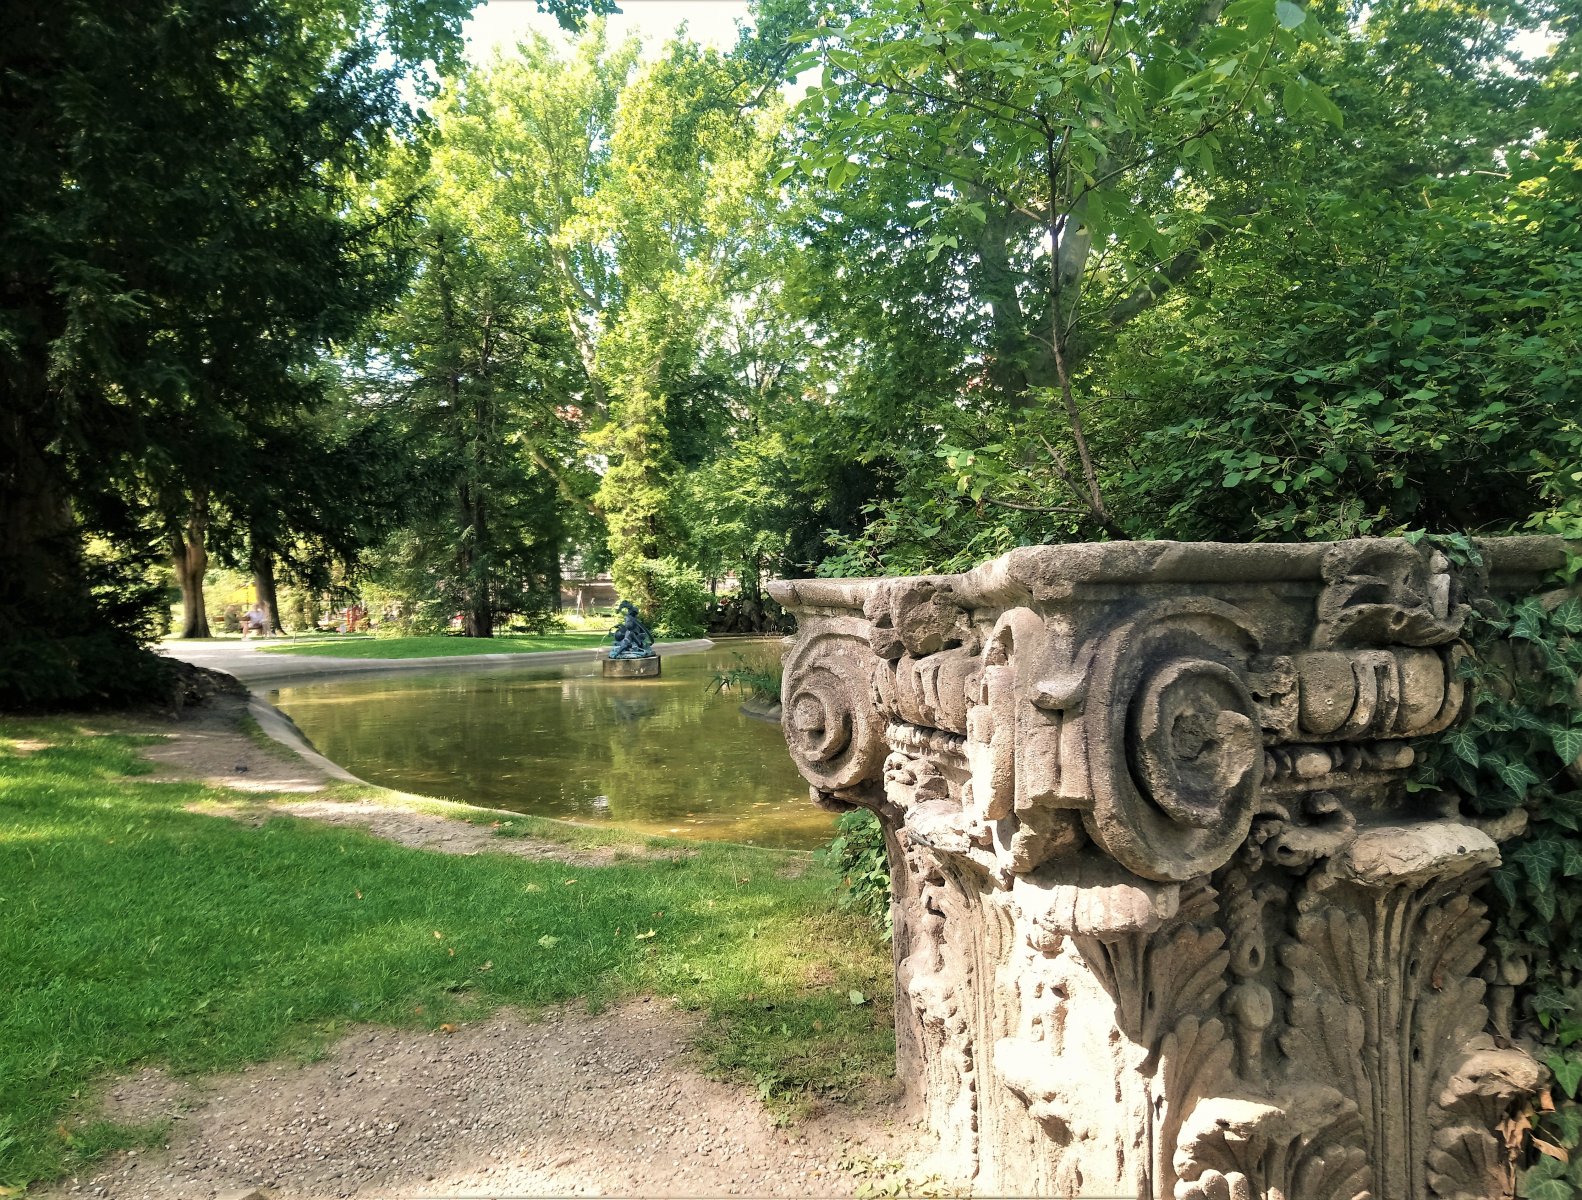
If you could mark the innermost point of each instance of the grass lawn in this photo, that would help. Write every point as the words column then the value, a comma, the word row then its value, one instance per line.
column 133, row 931
column 357, row 646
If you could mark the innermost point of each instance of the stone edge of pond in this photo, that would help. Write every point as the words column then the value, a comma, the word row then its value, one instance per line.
column 283, row 730
column 298, row 668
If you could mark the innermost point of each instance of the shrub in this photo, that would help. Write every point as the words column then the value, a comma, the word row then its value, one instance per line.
column 683, row 599
column 857, row 852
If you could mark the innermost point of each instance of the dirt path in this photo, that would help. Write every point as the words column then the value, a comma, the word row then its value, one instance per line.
column 570, row 1104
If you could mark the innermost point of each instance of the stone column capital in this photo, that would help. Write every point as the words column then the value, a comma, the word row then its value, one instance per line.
column 1146, row 803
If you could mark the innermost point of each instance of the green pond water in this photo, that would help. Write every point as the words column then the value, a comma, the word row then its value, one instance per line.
column 662, row 756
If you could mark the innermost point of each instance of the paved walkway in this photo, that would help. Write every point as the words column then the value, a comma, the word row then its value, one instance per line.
column 244, row 660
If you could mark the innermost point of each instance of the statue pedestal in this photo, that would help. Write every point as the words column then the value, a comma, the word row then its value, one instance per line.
column 632, row 668
column 1168, row 923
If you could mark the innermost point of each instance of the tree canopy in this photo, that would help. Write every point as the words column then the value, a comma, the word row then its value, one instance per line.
column 291, row 286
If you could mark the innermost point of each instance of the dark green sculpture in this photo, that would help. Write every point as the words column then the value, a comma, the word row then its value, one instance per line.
column 632, row 639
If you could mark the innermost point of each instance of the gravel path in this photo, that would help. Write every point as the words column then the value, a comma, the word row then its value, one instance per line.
column 574, row 1105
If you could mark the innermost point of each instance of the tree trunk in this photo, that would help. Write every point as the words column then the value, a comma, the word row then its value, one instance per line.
column 38, row 546
column 190, row 558
column 478, row 621
column 1012, row 354
column 265, row 591
column 478, row 611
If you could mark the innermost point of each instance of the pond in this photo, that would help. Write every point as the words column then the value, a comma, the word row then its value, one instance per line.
column 660, row 756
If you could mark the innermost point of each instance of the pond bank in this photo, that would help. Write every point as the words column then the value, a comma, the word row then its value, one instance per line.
column 671, row 756
column 247, row 662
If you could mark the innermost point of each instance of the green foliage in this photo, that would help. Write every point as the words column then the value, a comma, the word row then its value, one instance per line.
column 1520, row 754
column 1059, row 156
column 761, row 683
column 858, row 854
column 1425, row 375
column 183, row 234
column 681, row 599
column 1309, row 335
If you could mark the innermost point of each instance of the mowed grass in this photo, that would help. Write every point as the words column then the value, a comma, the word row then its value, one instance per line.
column 135, row 932
column 441, row 646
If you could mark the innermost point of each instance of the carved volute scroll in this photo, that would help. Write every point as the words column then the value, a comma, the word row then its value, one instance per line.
column 831, row 726
column 1174, row 748
column 1168, row 923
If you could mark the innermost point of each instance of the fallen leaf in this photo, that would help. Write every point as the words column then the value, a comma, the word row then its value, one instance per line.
column 569, row 882
column 1546, row 1102
column 438, row 934
column 453, row 951
column 359, row 894
column 856, row 997
column 645, row 936
column 549, row 941
column 1552, row 1151
column 531, row 887
column 487, row 965
column 659, row 914
column 447, row 1029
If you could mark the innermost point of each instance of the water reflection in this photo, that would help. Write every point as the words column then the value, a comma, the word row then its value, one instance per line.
column 658, row 755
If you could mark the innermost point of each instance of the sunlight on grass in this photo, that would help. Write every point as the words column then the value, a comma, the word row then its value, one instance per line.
column 135, row 931
column 441, row 646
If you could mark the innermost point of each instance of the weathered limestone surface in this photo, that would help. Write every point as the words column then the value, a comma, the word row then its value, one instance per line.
column 1167, row 922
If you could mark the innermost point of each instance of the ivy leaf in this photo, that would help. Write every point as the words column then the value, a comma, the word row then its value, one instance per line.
column 1529, row 621
column 1505, row 883
column 1567, row 1071
column 1542, row 1171
column 1567, row 743
column 1565, row 810
column 1545, row 1189
column 1566, row 1122
column 1568, row 616
column 1544, row 904
column 1464, row 744
column 1517, row 776
column 1539, row 860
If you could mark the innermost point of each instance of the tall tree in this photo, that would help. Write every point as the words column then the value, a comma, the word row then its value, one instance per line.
column 174, row 245
column 629, row 192
column 1061, row 154
column 181, row 234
